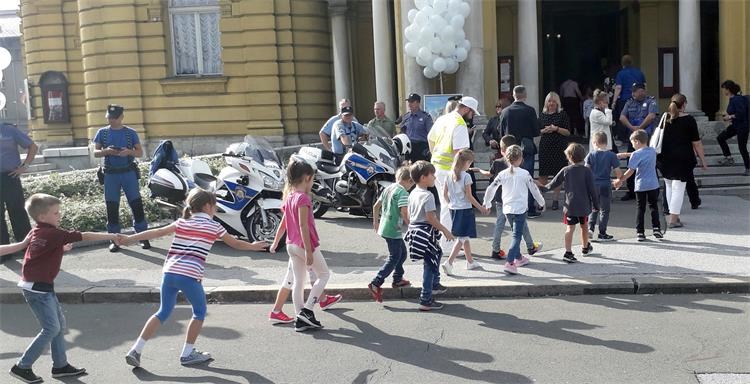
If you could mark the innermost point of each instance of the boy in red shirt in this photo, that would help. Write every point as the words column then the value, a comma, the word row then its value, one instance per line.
column 41, row 264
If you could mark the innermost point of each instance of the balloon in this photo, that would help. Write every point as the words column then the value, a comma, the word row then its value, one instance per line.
column 460, row 54
column 425, row 54
column 437, row 21
column 440, row 6
column 436, row 45
column 457, row 21
column 428, row 11
column 447, row 33
column 4, row 58
column 452, row 68
column 465, row 9
column 412, row 33
column 454, row 7
column 412, row 49
column 421, row 62
column 2, row 100
column 421, row 19
column 447, row 48
column 412, row 14
column 429, row 72
column 467, row 45
column 439, row 64
column 420, row 3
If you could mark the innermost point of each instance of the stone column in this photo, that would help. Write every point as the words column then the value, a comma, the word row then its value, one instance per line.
column 340, row 47
column 414, row 79
column 690, row 52
column 528, row 52
column 382, row 35
column 470, row 77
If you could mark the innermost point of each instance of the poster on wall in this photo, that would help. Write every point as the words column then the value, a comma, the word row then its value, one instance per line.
column 505, row 75
column 434, row 105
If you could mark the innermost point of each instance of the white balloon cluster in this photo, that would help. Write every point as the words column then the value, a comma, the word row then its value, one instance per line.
column 436, row 37
column 4, row 63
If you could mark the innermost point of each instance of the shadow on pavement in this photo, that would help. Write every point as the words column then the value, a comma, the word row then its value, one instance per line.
column 249, row 377
column 639, row 303
column 418, row 353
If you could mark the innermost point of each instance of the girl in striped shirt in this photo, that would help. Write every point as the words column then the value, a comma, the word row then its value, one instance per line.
column 194, row 235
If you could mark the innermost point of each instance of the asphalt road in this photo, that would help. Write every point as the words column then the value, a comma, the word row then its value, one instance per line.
column 576, row 339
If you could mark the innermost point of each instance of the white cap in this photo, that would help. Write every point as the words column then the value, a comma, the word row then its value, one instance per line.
column 471, row 103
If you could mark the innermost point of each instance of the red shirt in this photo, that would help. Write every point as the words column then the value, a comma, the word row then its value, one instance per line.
column 43, row 257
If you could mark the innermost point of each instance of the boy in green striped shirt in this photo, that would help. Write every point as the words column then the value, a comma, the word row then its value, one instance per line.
column 393, row 205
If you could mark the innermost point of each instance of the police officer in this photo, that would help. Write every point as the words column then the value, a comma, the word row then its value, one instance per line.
column 119, row 146
column 11, row 191
column 416, row 124
column 638, row 113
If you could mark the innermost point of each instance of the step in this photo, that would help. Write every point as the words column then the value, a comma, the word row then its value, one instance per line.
column 42, row 167
column 38, row 159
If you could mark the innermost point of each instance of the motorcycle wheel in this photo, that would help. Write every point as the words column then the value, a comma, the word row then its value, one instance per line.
column 319, row 209
column 256, row 231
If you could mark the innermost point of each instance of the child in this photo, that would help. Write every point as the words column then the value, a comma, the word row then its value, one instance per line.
column 516, row 183
column 423, row 236
column 601, row 162
column 643, row 164
column 494, row 194
column 303, row 244
column 394, row 202
column 194, row 234
column 41, row 264
column 277, row 315
column 457, row 192
column 580, row 195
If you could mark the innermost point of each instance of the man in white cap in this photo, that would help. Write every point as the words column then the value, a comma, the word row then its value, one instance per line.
column 449, row 134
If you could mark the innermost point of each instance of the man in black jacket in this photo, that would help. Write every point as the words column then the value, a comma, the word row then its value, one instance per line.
column 520, row 120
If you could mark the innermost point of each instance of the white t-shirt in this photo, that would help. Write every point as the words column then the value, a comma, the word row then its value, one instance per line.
column 457, row 192
column 516, row 188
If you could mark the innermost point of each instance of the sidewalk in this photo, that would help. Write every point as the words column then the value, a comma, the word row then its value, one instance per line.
column 710, row 254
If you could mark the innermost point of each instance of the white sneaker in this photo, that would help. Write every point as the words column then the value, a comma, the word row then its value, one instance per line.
column 474, row 265
column 447, row 268
column 195, row 357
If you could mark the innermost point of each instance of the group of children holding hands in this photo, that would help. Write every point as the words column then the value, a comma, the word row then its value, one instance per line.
column 587, row 188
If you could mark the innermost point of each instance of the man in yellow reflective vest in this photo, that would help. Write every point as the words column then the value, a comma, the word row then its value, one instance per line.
column 449, row 135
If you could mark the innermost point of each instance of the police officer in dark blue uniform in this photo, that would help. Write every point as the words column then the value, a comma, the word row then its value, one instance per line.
column 416, row 124
column 639, row 112
column 119, row 145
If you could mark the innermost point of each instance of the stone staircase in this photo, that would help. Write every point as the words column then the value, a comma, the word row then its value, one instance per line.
column 52, row 160
column 39, row 166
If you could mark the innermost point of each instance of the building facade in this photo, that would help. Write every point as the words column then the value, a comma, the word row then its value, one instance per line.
column 206, row 72
column 12, row 84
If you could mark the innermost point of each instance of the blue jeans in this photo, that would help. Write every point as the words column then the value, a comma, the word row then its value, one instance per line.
column 528, row 164
column 128, row 182
column 171, row 284
column 430, row 278
column 500, row 225
column 395, row 263
column 517, row 224
column 49, row 314
column 605, row 201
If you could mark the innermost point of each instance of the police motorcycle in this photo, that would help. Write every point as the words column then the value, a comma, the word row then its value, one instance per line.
column 249, row 190
column 364, row 172
column 171, row 178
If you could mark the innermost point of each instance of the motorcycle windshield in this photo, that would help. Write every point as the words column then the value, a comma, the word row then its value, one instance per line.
column 261, row 151
column 387, row 144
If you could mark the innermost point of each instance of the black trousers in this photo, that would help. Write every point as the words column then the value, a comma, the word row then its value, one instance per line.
column 741, row 142
column 631, row 180
column 11, row 198
column 652, row 198
column 620, row 131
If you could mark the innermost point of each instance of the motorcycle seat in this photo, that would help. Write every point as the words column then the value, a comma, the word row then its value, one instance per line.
column 327, row 167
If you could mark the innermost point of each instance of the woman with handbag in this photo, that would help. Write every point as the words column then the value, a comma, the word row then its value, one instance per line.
column 680, row 142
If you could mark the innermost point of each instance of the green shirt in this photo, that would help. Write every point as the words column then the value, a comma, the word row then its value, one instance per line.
column 382, row 128
column 393, row 199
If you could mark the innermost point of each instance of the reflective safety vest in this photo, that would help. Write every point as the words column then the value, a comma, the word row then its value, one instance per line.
column 441, row 135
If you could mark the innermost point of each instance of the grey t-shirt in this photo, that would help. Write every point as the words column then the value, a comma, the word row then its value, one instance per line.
column 421, row 201
column 580, row 195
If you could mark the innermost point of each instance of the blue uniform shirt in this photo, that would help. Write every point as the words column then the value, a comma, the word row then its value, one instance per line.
column 636, row 111
column 602, row 163
column 328, row 126
column 120, row 138
column 643, row 162
column 10, row 138
column 626, row 78
column 416, row 125
column 352, row 130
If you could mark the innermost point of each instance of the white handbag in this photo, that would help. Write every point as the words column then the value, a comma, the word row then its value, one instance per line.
column 658, row 135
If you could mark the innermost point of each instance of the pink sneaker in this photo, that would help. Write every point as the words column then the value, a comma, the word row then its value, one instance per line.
column 280, row 318
column 510, row 269
column 521, row 262
column 329, row 301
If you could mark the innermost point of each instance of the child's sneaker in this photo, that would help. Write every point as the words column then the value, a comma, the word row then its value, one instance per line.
column 195, row 357
column 434, row 305
column 133, row 358
column 403, row 283
column 439, row 289
column 510, row 269
column 68, row 371
column 537, row 247
column 605, row 237
column 499, row 255
column 658, row 234
column 521, row 262
column 447, row 268
column 307, row 316
column 329, row 301
column 588, row 249
column 473, row 265
column 376, row 292
column 569, row 257
column 641, row 236
column 25, row 374
column 301, row 326
column 280, row 318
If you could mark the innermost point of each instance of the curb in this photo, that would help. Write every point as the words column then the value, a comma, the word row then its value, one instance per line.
column 523, row 287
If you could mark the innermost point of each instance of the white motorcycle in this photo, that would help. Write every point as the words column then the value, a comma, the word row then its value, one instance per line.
column 249, row 190
column 171, row 178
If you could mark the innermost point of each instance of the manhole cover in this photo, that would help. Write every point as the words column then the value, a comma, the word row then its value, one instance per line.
column 723, row 378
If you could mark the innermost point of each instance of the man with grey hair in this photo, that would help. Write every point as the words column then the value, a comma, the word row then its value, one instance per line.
column 327, row 130
column 520, row 120
column 381, row 125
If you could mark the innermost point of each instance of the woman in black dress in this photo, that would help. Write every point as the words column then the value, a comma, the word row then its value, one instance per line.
column 680, row 143
column 555, row 131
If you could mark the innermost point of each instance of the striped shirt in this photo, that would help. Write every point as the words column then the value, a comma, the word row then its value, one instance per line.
column 193, row 239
